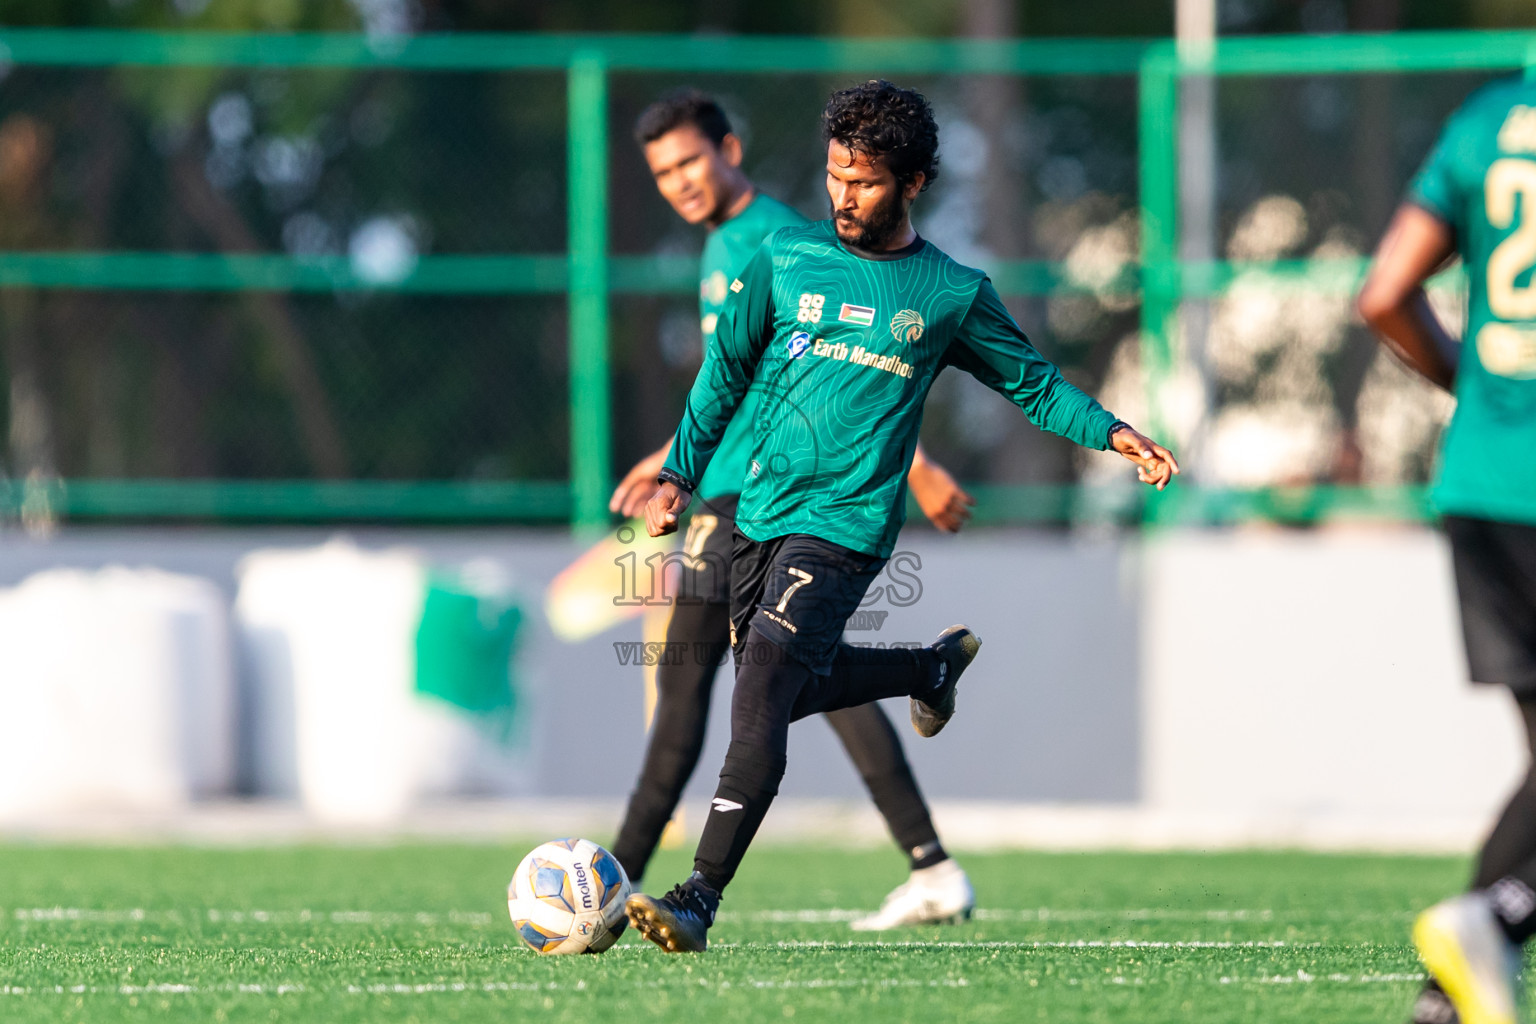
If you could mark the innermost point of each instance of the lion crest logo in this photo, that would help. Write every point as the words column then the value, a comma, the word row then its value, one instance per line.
column 907, row 326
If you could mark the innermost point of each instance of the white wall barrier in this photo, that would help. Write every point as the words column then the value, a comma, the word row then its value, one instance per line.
column 1303, row 684
column 116, row 691
column 1315, row 674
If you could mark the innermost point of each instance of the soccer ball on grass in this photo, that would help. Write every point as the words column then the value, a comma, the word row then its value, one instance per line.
column 567, row 896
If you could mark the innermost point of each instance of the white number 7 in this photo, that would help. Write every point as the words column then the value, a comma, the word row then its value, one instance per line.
column 802, row 577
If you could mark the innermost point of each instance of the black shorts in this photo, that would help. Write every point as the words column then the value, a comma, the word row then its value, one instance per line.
column 1495, row 565
column 706, row 568
column 798, row 591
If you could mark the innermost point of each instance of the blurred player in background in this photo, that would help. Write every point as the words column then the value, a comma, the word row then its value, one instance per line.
column 696, row 161
column 840, row 327
column 1476, row 197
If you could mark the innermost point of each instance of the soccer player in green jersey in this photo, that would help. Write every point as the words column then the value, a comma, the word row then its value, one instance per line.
column 1476, row 197
column 695, row 159
column 840, row 328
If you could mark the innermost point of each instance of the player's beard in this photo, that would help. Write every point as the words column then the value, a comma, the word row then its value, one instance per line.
column 877, row 230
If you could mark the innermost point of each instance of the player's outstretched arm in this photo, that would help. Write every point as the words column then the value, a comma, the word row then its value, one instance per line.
column 742, row 332
column 992, row 348
column 639, row 484
column 665, row 508
column 942, row 500
column 1416, row 245
column 1155, row 464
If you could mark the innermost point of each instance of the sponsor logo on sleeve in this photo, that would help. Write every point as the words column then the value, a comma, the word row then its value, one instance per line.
column 864, row 316
column 736, row 285
column 799, row 344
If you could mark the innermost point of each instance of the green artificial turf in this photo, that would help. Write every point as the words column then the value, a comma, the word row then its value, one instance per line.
column 420, row 933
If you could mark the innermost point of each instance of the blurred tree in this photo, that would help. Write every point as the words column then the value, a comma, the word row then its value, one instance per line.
column 318, row 163
column 26, row 151
column 1501, row 13
column 76, row 201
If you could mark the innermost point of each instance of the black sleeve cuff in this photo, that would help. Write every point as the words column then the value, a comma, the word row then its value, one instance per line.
column 667, row 476
column 1109, row 436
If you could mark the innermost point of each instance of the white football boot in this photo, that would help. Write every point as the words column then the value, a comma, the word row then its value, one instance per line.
column 1468, row 953
column 937, row 895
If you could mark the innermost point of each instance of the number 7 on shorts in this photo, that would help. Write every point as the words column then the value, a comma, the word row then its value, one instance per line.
column 801, row 579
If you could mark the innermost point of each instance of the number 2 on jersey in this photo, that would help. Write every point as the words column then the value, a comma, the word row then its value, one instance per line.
column 1508, row 179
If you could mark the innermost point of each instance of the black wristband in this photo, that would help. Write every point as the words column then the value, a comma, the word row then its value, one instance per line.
column 1109, row 438
column 667, row 476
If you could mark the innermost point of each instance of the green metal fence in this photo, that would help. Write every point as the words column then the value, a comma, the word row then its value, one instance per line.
column 1166, row 280
column 590, row 276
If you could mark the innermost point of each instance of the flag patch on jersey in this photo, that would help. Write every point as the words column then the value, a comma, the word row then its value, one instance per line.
column 864, row 316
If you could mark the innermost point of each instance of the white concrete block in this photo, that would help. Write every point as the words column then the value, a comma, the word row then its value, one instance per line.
column 116, row 691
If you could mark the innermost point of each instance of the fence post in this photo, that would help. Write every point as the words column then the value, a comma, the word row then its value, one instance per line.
column 1157, row 154
column 1156, row 147
column 587, row 213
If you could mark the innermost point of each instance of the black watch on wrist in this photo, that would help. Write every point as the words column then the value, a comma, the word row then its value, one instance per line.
column 1109, row 438
column 667, row 476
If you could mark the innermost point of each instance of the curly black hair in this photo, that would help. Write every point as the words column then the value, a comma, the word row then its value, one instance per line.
column 675, row 109
column 882, row 120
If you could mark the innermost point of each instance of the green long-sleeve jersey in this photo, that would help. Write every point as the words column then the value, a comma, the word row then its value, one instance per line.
column 726, row 252
column 841, row 350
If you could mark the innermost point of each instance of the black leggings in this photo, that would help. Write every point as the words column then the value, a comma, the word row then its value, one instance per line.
column 1511, row 847
column 677, row 739
column 773, row 689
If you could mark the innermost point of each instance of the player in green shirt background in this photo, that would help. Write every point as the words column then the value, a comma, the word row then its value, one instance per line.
column 1476, row 197
column 840, row 327
column 695, row 159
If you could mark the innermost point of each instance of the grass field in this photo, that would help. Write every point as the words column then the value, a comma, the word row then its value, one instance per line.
column 420, row 933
